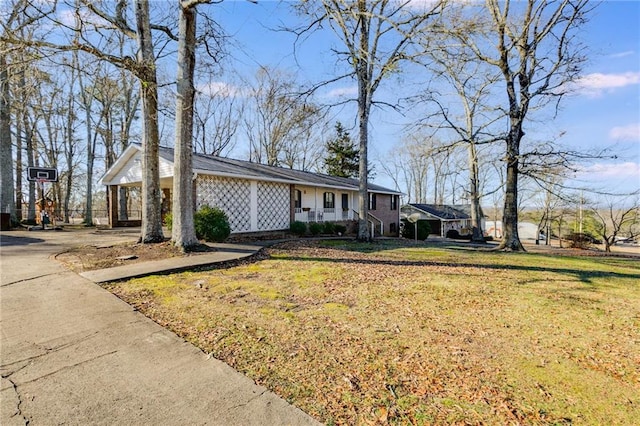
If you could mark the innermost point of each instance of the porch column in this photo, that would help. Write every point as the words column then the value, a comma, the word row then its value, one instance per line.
column 292, row 203
column 112, row 191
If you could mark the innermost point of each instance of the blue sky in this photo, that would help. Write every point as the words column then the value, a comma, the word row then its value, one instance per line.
column 604, row 112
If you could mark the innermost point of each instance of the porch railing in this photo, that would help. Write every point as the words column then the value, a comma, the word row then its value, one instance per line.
column 323, row 215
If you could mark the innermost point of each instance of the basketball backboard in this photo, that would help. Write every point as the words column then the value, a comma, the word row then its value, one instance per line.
column 42, row 174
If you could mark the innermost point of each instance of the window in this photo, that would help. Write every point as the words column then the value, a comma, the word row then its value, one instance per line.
column 372, row 201
column 393, row 228
column 394, row 202
column 329, row 200
column 297, row 199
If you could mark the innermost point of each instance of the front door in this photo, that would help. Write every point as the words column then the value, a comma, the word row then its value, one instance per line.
column 345, row 206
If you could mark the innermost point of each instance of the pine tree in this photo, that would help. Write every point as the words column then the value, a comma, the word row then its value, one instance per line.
column 343, row 157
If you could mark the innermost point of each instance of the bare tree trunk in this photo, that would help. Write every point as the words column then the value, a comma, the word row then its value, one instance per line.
column 183, row 232
column 87, row 101
column 151, row 230
column 510, row 237
column 7, row 195
column 69, row 154
column 29, row 143
column 364, row 107
column 363, row 187
column 477, row 235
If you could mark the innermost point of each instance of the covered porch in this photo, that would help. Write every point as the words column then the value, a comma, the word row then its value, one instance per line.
column 316, row 204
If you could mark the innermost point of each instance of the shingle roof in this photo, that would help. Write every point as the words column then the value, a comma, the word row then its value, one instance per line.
column 208, row 164
column 445, row 212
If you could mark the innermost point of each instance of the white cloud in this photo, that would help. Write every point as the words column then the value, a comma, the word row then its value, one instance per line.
column 342, row 91
column 630, row 132
column 627, row 170
column 622, row 54
column 68, row 17
column 597, row 83
column 219, row 88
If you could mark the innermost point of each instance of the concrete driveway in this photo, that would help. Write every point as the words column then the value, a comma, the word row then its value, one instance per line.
column 72, row 353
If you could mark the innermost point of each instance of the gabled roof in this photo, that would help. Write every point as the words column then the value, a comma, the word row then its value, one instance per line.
column 445, row 212
column 220, row 166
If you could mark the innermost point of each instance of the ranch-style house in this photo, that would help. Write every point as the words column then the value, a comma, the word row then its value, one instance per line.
column 256, row 197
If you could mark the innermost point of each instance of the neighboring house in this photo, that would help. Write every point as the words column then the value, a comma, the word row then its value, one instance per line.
column 526, row 230
column 442, row 218
column 256, row 197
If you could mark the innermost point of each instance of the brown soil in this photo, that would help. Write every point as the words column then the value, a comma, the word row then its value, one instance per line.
column 91, row 257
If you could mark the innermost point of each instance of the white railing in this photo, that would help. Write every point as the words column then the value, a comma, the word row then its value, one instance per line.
column 322, row 215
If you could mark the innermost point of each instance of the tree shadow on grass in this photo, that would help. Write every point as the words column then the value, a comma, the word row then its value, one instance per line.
column 582, row 275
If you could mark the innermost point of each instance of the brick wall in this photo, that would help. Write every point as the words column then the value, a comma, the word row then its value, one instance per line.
column 389, row 217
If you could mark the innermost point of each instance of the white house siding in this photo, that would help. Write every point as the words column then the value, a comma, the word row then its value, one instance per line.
column 312, row 205
column 233, row 196
column 273, row 206
column 131, row 172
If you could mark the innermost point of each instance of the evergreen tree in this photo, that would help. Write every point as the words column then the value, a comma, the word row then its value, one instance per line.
column 343, row 157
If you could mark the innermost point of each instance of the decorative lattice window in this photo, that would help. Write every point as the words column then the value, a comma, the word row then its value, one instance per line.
column 273, row 206
column 233, row 196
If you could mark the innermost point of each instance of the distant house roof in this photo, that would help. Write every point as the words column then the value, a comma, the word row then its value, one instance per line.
column 445, row 212
column 220, row 166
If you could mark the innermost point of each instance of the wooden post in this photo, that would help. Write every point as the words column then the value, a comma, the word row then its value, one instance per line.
column 112, row 193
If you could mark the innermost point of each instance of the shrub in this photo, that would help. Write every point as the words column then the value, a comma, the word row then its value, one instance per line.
column 453, row 234
column 424, row 229
column 329, row 227
column 340, row 229
column 581, row 240
column 315, row 228
column 168, row 221
column 298, row 228
column 211, row 224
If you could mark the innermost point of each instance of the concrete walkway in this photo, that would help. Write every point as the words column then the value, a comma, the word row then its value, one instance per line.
column 224, row 253
column 72, row 353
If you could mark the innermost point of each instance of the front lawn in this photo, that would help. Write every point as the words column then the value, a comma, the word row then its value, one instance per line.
column 388, row 334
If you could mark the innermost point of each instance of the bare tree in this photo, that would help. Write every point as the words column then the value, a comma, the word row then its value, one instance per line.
column 16, row 18
column 617, row 216
column 467, row 113
column 7, row 189
column 408, row 166
column 278, row 117
column 377, row 36
column 98, row 21
column 183, row 232
column 145, row 70
column 533, row 44
column 217, row 117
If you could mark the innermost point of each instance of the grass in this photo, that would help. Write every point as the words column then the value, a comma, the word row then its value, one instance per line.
column 388, row 334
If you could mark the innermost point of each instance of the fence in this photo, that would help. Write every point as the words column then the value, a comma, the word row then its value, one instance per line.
column 77, row 216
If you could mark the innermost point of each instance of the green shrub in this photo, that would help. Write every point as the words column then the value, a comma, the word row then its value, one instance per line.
column 315, row 228
column 340, row 229
column 424, row 229
column 168, row 221
column 298, row 228
column 211, row 224
column 329, row 227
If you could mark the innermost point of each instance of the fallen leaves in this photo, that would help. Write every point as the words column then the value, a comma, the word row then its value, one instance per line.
column 393, row 335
